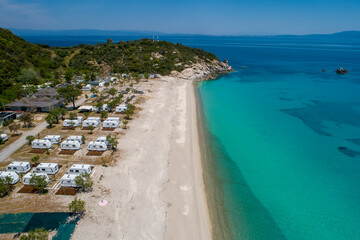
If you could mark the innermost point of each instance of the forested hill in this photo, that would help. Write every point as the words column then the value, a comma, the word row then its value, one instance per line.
column 24, row 63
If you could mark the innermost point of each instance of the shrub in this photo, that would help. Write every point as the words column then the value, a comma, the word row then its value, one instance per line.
column 77, row 206
column 37, row 234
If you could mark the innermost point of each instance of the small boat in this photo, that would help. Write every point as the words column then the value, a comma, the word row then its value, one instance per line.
column 323, row 70
column 342, row 71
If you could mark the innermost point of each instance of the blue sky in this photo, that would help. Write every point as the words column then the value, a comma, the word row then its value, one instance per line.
column 225, row 17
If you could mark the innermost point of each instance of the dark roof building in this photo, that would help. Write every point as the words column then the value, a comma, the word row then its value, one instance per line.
column 42, row 101
column 5, row 116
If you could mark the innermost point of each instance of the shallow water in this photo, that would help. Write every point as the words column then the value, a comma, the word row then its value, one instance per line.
column 293, row 135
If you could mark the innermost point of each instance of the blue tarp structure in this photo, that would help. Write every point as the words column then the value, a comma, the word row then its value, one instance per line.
column 62, row 222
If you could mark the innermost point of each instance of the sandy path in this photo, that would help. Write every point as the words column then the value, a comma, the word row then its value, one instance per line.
column 155, row 190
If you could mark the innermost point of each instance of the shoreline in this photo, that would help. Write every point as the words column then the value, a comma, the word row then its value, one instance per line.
column 220, row 226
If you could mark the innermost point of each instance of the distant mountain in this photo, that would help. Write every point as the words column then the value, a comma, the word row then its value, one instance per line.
column 347, row 34
column 84, row 32
column 94, row 32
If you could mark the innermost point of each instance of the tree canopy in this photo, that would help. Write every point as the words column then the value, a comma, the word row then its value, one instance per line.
column 24, row 63
column 70, row 92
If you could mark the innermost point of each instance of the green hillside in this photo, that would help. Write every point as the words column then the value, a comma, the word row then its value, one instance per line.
column 24, row 63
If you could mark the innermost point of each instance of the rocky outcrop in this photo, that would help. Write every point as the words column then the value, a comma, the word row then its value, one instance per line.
column 203, row 71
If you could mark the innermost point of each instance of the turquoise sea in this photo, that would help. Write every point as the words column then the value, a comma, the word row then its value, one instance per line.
column 281, row 137
column 286, row 139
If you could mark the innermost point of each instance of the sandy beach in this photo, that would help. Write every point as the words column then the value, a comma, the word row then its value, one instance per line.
column 155, row 189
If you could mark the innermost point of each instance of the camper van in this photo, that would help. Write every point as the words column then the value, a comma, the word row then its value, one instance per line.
column 104, row 108
column 12, row 175
column 88, row 123
column 75, row 138
column 92, row 121
column 78, row 169
column 116, row 119
column 97, row 146
column 110, row 124
column 18, row 167
column 48, row 168
column 102, row 139
column 97, row 119
column 121, row 108
column 27, row 177
column 70, row 145
column 68, row 180
column 41, row 144
column 87, row 108
column 71, row 123
column 86, row 88
column 4, row 137
column 80, row 119
column 54, row 139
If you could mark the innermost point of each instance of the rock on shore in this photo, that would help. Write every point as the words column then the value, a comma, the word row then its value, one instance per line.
column 203, row 71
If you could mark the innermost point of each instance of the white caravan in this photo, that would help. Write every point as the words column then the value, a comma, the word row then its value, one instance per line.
column 70, row 145
column 92, row 121
column 78, row 169
column 12, row 175
column 104, row 108
column 121, row 108
column 68, row 180
column 4, row 137
column 27, row 177
column 97, row 146
column 116, row 119
column 80, row 119
column 71, row 123
column 87, row 108
column 97, row 119
column 41, row 144
column 88, row 123
column 110, row 124
column 102, row 139
column 18, row 167
column 86, row 88
column 48, row 168
column 54, row 139
column 75, row 138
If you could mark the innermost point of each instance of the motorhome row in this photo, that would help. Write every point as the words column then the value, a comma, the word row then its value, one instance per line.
column 72, row 142
column 104, row 108
column 111, row 122
column 46, row 142
column 43, row 170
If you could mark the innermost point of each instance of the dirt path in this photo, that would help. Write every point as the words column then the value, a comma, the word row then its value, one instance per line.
column 6, row 152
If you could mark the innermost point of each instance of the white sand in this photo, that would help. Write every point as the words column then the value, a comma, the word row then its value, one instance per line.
column 156, row 189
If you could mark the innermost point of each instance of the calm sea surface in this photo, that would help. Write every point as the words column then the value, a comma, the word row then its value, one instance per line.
column 286, row 135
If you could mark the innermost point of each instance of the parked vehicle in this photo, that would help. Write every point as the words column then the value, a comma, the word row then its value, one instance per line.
column 18, row 167
column 12, row 175
column 41, row 144
column 48, row 168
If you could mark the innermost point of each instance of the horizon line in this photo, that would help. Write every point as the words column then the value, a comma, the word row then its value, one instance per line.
column 163, row 33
